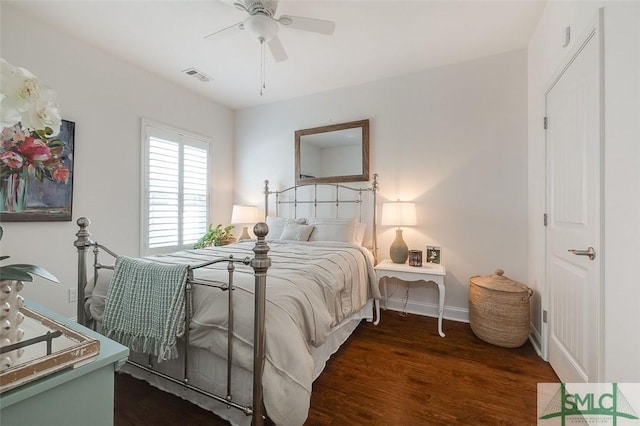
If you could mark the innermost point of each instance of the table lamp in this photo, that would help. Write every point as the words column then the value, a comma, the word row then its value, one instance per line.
column 399, row 213
column 244, row 215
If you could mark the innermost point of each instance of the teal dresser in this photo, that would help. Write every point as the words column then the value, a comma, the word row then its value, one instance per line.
column 75, row 396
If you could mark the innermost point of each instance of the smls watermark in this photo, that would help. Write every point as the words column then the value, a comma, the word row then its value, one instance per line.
column 616, row 404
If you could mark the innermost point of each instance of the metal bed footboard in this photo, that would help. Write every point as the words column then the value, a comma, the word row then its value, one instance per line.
column 260, row 263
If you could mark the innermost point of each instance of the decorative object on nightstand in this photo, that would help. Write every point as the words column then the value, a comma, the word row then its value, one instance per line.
column 399, row 213
column 434, row 254
column 244, row 215
column 12, row 278
column 415, row 257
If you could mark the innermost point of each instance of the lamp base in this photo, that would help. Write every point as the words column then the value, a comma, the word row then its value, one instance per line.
column 245, row 234
column 399, row 252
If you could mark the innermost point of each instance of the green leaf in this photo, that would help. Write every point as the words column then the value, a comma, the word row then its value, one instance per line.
column 55, row 142
column 28, row 270
column 9, row 273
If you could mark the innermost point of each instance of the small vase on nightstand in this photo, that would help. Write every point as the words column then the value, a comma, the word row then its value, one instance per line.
column 399, row 251
column 12, row 279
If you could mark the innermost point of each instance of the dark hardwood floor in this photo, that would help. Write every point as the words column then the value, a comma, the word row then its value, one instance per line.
column 397, row 373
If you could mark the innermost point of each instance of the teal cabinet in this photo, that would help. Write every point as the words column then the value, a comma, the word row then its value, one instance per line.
column 76, row 396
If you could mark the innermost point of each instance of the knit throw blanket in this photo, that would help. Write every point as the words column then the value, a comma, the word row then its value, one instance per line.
column 145, row 306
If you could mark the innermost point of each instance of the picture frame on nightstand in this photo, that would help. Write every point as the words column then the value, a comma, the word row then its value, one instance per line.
column 434, row 254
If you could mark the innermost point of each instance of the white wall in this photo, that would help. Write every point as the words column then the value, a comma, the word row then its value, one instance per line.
column 106, row 98
column 453, row 139
column 621, row 249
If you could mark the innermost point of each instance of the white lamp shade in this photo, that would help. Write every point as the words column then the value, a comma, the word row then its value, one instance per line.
column 399, row 213
column 244, row 215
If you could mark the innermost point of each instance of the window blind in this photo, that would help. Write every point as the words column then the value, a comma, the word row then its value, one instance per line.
column 176, row 183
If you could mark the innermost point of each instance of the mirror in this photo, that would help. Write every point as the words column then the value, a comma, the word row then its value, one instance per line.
column 331, row 154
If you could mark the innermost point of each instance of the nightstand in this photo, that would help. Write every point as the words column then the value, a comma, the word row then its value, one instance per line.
column 428, row 272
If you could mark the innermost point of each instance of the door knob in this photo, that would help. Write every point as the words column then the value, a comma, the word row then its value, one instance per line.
column 588, row 252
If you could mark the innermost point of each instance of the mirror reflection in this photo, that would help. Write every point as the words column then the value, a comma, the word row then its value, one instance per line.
column 335, row 153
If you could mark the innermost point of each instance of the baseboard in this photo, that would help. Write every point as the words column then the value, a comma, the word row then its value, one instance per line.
column 454, row 314
column 536, row 339
column 428, row 309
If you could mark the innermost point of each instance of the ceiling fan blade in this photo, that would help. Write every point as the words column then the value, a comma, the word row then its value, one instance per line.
column 277, row 50
column 238, row 4
column 232, row 29
column 308, row 24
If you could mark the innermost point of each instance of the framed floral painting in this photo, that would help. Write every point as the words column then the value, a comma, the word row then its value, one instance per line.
column 36, row 174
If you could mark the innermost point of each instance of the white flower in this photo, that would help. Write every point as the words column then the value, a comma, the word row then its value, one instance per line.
column 9, row 115
column 25, row 99
column 41, row 116
column 20, row 87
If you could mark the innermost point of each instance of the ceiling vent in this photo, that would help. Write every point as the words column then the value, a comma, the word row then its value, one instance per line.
column 197, row 75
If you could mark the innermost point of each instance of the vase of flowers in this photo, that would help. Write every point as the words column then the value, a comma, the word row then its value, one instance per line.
column 30, row 120
column 13, row 192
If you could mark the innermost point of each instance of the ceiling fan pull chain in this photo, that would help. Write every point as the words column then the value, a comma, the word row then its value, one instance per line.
column 262, row 66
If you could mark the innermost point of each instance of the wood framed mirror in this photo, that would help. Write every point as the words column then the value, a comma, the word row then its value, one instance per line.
column 333, row 154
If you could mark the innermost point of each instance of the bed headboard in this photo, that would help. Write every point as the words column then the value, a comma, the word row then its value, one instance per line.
column 327, row 200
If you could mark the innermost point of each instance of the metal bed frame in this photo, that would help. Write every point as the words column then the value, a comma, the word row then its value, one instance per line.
column 260, row 263
column 290, row 196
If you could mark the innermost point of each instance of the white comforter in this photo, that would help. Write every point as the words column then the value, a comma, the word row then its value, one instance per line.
column 311, row 288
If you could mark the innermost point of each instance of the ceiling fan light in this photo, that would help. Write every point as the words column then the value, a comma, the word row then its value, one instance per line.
column 261, row 27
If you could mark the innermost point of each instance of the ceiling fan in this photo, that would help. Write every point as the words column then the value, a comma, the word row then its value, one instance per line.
column 263, row 25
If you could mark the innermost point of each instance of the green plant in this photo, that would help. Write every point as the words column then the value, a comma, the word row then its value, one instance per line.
column 22, row 272
column 214, row 236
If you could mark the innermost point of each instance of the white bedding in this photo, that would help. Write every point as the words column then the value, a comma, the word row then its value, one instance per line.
column 311, row 288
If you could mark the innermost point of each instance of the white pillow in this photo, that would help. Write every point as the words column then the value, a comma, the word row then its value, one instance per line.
column 341, row 230
column 296, row 232
column 276, row 225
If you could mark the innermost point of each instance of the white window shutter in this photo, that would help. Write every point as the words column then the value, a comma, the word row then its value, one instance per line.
column 164, row 193
column 175, row 182
column 194, row 194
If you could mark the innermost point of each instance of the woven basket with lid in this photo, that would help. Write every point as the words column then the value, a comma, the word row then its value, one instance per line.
column 499, row 309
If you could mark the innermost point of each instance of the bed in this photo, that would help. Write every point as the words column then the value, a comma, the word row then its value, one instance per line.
column 300, row 304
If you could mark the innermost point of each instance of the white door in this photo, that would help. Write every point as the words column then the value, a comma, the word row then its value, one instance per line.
column 573, row 145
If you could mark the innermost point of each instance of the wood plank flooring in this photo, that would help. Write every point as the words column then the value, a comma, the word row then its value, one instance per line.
column 397, row 373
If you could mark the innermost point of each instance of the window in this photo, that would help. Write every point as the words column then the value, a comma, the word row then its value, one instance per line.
column 175, row 182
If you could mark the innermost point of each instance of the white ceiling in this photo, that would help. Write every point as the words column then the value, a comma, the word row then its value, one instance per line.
column 373, row 40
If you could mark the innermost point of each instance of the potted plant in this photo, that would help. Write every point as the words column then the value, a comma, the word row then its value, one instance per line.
column 12, row 279
column 217, row 236
column 22, row 272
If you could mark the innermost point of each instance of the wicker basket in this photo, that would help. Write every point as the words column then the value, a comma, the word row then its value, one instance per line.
column 499, row 309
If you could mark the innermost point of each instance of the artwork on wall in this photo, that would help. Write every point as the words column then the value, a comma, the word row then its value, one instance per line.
column 36, row 174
